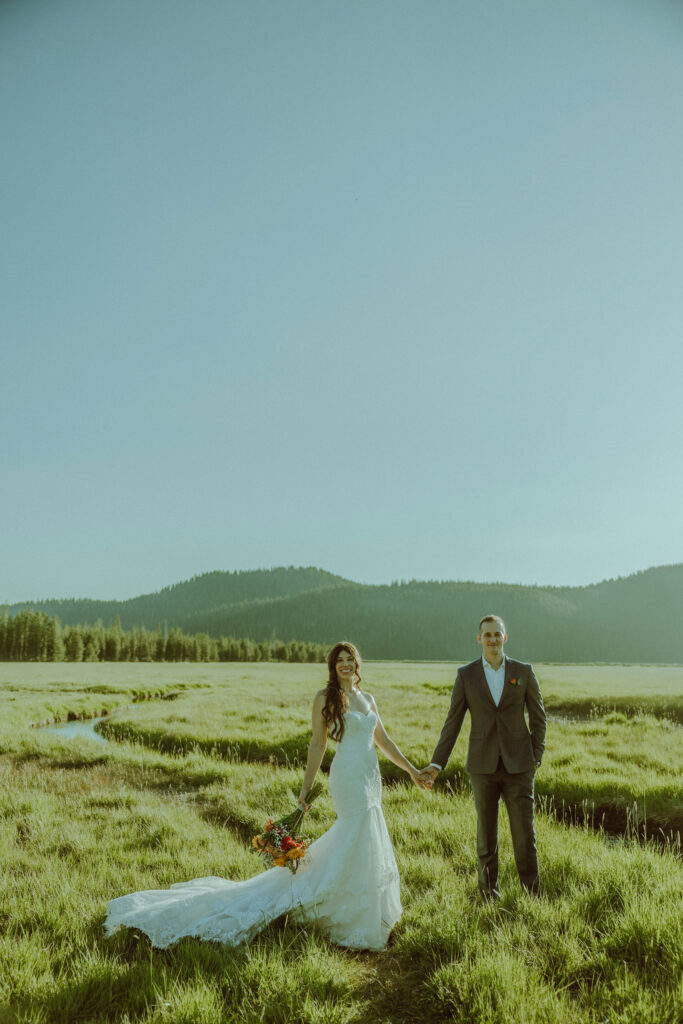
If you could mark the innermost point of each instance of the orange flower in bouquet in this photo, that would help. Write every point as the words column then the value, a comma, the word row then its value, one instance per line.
column 279, row 845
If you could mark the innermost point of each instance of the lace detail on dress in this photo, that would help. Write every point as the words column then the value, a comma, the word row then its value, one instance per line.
column 348, row 883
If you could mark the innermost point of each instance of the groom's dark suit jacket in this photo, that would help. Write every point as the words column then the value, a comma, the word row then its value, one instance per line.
column 495, row 731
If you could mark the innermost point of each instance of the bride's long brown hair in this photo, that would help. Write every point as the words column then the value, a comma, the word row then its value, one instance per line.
column 336, row 701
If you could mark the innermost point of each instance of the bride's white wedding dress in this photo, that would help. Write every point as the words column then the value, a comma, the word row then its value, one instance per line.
column 348, row 882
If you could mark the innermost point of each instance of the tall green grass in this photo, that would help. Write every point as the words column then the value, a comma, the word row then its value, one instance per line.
column 81, row 825
column 604, row 942
column 622, row 771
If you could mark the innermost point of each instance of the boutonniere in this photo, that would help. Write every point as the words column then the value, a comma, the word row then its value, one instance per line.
column 514, row 682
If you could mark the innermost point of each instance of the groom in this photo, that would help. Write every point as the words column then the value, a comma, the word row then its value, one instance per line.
column 503, row 753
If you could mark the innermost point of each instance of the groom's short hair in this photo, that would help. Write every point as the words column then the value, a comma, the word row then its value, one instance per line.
column 491, row 618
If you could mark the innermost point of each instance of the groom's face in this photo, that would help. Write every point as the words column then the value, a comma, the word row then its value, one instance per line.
column 492, row 637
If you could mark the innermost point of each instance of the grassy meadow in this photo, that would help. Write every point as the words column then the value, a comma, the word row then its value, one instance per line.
column 625, row 771
column 187, row 780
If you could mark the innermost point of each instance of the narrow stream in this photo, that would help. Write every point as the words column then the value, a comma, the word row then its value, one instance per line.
column 85, row 728
column 81, row 729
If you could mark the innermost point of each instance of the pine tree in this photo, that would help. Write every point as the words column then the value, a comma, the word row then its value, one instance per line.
column 73, row 643
column 54, row 642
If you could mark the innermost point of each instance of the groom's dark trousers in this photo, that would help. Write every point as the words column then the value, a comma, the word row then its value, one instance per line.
column 501, row 759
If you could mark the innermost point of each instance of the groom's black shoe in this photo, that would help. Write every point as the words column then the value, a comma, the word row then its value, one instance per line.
column 490, row 895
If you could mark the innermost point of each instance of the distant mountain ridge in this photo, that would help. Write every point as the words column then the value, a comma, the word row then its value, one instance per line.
column 631, row 619
column 184, row 600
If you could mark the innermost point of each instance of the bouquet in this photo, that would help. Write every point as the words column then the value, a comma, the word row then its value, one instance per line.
column 279, row 845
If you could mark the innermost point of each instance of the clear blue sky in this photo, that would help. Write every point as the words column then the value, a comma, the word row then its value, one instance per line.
column 390, row 287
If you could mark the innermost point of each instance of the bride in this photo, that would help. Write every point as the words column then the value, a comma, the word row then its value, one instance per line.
column 348, row 882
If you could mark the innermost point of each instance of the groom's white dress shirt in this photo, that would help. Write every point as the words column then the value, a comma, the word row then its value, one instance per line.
column 495, row 677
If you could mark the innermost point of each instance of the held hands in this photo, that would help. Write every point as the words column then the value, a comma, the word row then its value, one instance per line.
column 427, row 776
column 424, row 778
column 416, row 776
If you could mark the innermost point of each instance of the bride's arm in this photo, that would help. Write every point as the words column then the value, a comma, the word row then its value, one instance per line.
column 316, row 748
column 388, row 747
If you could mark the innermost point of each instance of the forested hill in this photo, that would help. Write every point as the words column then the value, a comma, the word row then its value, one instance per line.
column 631, row 619
column 211, row 593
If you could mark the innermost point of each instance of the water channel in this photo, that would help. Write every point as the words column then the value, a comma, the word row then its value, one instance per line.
column 85, row 728
column 80, row 729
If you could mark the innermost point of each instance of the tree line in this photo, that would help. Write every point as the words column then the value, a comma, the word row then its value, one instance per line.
column 631, row 619
column 35, row 636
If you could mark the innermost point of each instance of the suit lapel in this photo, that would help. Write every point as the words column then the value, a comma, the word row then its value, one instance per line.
column 481, row 676
column 508, row 676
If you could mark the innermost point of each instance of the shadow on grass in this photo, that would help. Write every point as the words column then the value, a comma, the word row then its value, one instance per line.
column 388, row 990
column 125, row 976
column 618, row 821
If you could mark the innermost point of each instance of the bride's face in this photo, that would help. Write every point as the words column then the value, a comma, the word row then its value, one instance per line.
column 346, row 667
